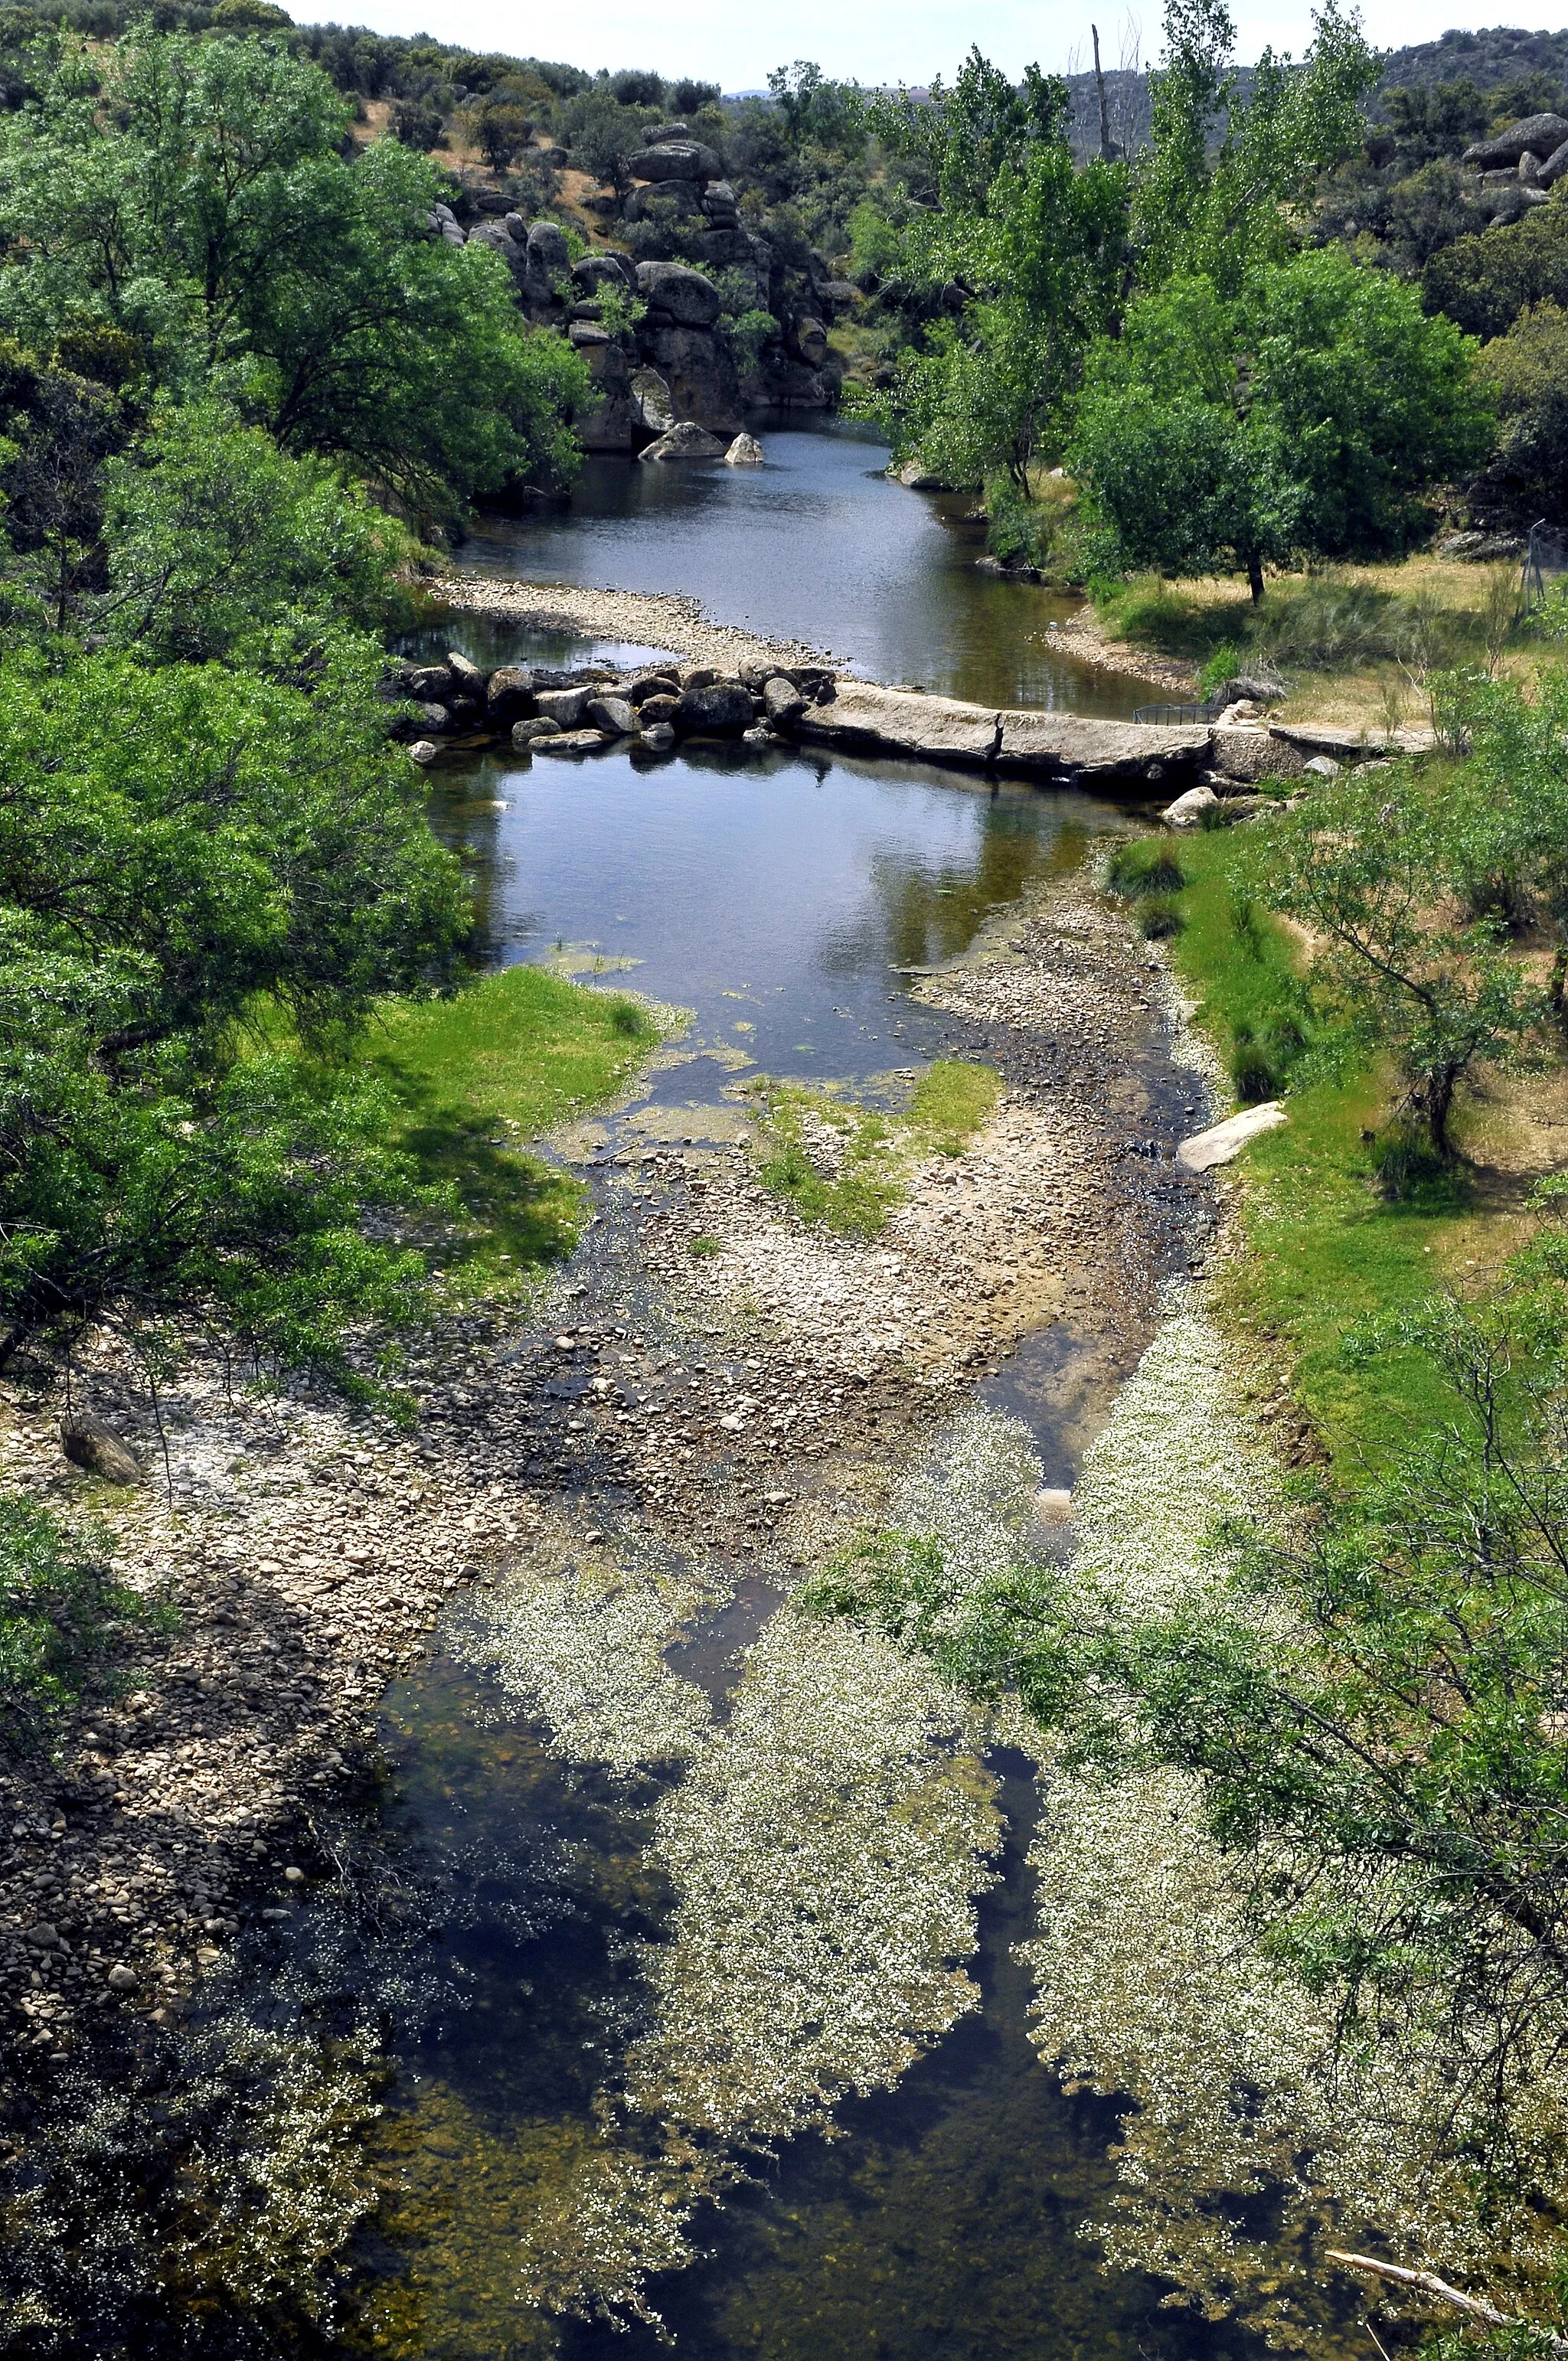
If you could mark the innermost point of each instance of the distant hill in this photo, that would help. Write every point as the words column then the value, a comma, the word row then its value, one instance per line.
column 1489, row 59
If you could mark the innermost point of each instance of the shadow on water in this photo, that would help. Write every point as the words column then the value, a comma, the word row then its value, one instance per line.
column 819, row 546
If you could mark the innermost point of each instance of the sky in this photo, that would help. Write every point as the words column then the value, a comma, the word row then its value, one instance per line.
column 867, row 40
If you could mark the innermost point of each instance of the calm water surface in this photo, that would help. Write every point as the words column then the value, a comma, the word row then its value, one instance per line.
column 818, row 546
column 785, row 901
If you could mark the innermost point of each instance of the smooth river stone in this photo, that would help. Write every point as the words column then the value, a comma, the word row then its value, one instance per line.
column 1066, row 745
column 1224, row 1141
column 902, row 721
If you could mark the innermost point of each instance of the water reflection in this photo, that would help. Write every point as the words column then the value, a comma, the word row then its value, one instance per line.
column 781, row 900
column 820, row 546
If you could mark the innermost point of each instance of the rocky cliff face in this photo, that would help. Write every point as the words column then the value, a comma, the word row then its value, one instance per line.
column 678, row 360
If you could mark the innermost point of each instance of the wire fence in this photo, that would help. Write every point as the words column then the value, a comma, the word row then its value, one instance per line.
column 1545, row 560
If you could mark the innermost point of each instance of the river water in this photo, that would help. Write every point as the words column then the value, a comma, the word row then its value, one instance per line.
column 818, row 546
column 504, row 1892
column 788, row 903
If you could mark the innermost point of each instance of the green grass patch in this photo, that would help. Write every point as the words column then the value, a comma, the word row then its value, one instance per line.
column 1151, row 613
column 950, row 1101
column 864, row 1174
column 475, row 1076
column 1145, row 865
column 1329, row 1250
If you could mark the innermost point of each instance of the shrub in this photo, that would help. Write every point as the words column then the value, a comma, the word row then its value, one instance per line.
column 1222, row 666
column 1144, row 866
column 1407, row 1166
column 1157, row 917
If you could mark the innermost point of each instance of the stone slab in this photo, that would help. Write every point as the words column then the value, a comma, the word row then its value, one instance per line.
column 1125, row 754
column 870, row 719
column 1223, row 1142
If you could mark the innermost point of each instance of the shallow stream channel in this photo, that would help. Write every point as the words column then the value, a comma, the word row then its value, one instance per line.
column 659, row 1979
column 687, row 1922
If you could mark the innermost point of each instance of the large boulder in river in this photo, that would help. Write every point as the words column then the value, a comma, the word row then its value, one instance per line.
column 699, row 367
column 509, row 696
column 675, row 160
column 681, row 294
column 650, row 400
column 722, row 709
column 613, row 420
column 687, row 441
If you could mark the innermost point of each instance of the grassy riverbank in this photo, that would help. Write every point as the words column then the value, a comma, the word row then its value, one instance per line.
column 1325, row 1250
column 1352, row 641
column 475, row 1076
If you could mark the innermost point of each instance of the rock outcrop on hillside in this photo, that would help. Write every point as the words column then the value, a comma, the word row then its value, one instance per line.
column 660, row 351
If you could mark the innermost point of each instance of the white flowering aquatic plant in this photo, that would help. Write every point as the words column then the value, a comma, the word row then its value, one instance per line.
column 583, row 1649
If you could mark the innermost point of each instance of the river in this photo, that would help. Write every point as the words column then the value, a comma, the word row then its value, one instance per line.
column 818, row 546
column 508, row 1906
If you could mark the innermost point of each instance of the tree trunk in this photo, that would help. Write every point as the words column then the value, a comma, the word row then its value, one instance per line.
column 1107, row 144
column 1254, row 576
column 1438, row 1107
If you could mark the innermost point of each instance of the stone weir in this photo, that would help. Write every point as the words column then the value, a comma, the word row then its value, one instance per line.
column 1058, row 747
column 454, row 706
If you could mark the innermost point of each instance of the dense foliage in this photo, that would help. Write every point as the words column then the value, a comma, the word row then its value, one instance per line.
column 238, row 370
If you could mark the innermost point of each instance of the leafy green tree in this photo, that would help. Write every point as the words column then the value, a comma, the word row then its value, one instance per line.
column 812, row 107
column 956, row 140
column 1484, row 282
column 1430, row 121
column 602, row 135
column 1182, row 486
column 219, row 546
column 1360, row 866
column 181, row 848
column 419, row 125
column 1221, row 210
column 503, row 132
column 190, row 193
column 1308, row 413
column 226, row 835
column 1039, row 242
column 58, row 428
column 1507, row 822
column 1529, row 370
column 1375, row 401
